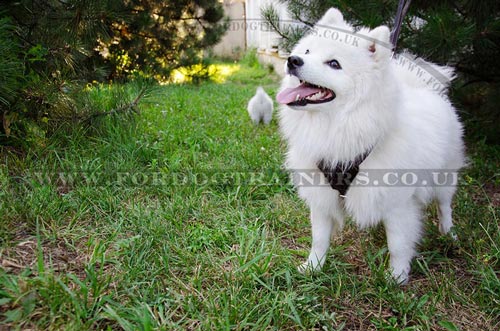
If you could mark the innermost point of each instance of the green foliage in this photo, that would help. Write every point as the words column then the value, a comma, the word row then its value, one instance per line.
column 11, row 67
column 11, row 71
column 50, row 50
column 464, row 34
column 156, row 37
column 250, row 58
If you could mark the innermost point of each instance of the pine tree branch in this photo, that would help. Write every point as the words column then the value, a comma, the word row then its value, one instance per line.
column 278, row 31
column 271, row 17
column 130, row 106
column 119, row 110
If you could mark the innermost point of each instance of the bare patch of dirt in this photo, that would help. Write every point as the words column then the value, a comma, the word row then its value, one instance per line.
column 493, row 193
column 58, row 255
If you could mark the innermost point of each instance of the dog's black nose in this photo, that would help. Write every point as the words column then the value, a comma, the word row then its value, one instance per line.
column 294, row 62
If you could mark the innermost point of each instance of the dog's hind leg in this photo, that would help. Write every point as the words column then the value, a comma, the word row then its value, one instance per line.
column 267, row 117
column 403, row 228
column 444, row 197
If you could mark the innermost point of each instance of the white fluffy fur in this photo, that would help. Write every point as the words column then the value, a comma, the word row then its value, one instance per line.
column 380, row 105
column 260, row 107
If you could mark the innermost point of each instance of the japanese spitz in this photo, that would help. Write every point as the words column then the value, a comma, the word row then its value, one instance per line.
column 349, row 107
column 260, row 107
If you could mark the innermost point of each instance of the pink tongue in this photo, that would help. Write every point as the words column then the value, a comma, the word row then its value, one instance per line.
column 290, row 94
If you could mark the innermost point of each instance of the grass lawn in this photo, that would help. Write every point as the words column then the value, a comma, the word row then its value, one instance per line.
column 98, row 231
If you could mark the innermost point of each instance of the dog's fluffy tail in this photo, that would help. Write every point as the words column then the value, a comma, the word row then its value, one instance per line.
column 419, row 73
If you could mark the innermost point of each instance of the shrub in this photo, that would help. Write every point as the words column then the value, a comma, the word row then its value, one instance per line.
column 61, row 46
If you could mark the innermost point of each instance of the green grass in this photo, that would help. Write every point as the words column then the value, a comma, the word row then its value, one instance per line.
column 114, row 248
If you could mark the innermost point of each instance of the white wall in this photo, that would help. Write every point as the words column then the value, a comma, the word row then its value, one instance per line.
column 233, row 43
column 258, row 32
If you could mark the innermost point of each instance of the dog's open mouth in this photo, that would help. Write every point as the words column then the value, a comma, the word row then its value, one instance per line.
column 304, row 94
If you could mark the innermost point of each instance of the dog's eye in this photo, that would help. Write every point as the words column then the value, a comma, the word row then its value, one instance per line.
column 334, row 64
column 307, row 51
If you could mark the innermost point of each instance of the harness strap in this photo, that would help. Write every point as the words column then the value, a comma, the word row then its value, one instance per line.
column 341, row 177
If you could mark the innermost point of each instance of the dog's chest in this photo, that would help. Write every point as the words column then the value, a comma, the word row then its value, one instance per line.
column 342, row 175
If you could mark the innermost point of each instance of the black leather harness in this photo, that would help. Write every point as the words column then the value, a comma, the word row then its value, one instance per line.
column 341, row 177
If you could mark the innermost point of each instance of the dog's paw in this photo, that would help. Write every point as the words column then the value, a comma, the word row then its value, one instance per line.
column 401, row 277
column 308, row 267
column 448, row 230
column 453, row 235
column 303, row 268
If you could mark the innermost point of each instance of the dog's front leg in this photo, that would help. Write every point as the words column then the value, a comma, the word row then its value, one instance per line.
column 322, row 226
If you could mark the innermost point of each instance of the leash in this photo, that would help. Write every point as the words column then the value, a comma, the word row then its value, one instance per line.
column 403, row 7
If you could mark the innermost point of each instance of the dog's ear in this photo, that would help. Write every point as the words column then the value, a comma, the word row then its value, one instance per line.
column 332, row 17
column 379, row 43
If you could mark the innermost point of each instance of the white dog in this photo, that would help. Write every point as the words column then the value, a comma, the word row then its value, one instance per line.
column 348, row 106
column 260, row 107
